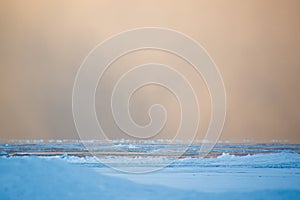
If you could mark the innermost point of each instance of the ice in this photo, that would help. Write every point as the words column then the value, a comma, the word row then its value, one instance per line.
column 272, row 160
column 40, row 178
column 3, row 153
column 65, row 170
column 37, row 178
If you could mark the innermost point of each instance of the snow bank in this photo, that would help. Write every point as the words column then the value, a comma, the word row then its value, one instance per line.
column 37, row 178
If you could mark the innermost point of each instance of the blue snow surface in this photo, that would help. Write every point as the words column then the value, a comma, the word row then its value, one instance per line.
column 66, row 170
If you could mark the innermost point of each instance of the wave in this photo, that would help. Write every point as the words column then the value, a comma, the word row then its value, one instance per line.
column 270, row 160
column 226, row 160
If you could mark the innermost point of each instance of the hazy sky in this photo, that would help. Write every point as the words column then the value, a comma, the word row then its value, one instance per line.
column 256, row 45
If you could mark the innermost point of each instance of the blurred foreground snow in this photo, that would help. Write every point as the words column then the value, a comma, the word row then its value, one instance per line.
column 31, row 177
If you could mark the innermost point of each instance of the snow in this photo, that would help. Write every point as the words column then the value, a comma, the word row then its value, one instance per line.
column 36, row 178
column 261, row 176
column 226, row 173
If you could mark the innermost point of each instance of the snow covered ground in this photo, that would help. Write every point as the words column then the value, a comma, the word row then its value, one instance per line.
column 226, row 173
column 259, row 176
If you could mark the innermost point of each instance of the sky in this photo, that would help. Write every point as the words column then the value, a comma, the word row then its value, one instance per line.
column 255, row 44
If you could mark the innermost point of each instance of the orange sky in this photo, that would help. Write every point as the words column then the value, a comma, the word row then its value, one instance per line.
column 256, row 45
